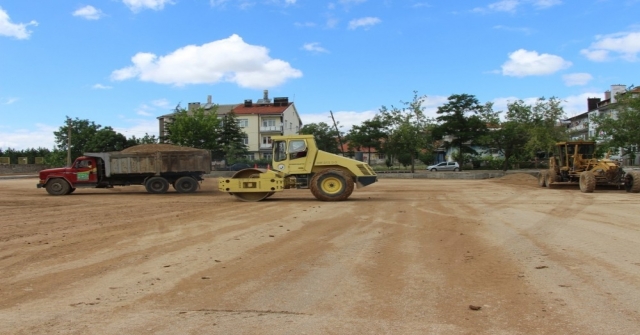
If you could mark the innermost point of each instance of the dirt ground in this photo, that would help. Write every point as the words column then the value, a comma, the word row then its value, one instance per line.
column 400, row 257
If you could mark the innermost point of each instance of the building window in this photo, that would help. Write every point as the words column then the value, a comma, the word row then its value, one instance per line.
column 245, row 140
column 268, row 123
column 243, row 123
column 380, row 156
column 290, row 125
column 268, row 156
column 249, row 157
column 266, row 140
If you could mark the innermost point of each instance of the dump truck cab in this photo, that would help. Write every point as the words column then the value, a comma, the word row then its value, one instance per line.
column 298, row 163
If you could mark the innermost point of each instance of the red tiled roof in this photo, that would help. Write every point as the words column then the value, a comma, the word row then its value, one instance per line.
column 345, row 148
column 260, row 109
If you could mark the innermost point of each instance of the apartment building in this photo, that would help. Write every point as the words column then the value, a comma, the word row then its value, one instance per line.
column 259, row 120
column 580, row 127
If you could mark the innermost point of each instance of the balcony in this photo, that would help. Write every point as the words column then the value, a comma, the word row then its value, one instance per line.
column 265, row 146
column 271, row 129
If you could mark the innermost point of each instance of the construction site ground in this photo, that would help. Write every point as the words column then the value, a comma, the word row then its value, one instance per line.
column 402, row 256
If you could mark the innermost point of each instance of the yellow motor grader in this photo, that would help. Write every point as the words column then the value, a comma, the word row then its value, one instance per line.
column 297, row 163
column 574, row 163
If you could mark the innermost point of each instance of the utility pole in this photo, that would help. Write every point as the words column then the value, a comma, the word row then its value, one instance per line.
column 337, row 131
column 68, row 142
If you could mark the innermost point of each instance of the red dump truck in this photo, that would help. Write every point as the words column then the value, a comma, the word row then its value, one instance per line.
column 156, row 170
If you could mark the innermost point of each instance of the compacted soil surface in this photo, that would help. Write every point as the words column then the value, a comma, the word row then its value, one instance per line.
column 402, row 256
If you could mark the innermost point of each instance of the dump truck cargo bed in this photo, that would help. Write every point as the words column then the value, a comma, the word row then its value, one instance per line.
column 154, row 162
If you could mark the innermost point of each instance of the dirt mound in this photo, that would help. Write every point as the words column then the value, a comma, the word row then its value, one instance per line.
column 518, row 179
column 157, row 147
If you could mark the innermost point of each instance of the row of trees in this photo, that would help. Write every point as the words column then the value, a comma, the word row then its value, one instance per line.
column 196, row 129
column 405, row 134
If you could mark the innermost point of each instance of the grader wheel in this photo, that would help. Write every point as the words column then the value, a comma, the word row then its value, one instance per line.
column 632, row 182
column 250, row 196
column 551, row 177
column 331, row 185
column 542, row 176
column 587, row 182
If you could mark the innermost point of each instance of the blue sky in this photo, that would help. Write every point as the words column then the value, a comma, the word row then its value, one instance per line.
column 122, row 63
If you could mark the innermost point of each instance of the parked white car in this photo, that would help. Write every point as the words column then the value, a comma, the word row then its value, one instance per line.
column 444, row 166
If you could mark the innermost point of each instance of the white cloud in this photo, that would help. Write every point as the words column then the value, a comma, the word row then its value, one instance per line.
column 162, row 103
column 572, row 105
column 577, row 79
column 332, row 22
column 218, row 3
column 511, row 6
column 8, row 101
column 138, row 5
column 596, row 55
column 504, row 6
column 101, row 87
column 345, row 119
column 351, row 2
column 144, row 111
column 624, row 44
column 227, row 60
column 16, row 30
column 543, row 4
column 526, row 31
column 524, row 63
column 305, row 24
column 88, row 12
column 577, row 104
column 314, row 47
column 348, row 119
column 21, row 139
column 138, row 127
column 364, row 22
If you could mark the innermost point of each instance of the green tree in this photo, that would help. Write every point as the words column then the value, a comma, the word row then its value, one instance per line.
column 146, row 139
column 507, row 136
column 82, row 132
column 620, row 129
column 370, row 135
column 29, row 153
column 525, row 130
column 231, row 140
column 197, row 130
column 544, row 127
column 461, row 119
column 106, row 139
column 326, row 137
column 408, row 131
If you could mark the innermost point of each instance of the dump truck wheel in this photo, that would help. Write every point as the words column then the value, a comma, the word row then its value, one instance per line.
column 331, row 185
column 71, row 190
column 587, row 182
column 542, row 176
column 157, row 185
column 632, row 182
column 58, row 186
column 186, row 185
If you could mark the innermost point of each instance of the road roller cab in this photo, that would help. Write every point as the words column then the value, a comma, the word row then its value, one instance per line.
column 297, row 163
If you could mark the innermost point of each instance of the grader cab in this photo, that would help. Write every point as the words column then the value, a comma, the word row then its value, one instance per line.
column 297, row 163
column 575, row 163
